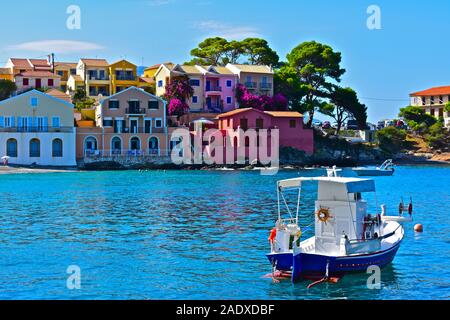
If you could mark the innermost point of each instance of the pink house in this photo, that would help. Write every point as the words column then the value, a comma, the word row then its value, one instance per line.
column 289, row 123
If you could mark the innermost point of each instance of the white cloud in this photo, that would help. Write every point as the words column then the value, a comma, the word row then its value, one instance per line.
column 56, row 46
column 216, row 28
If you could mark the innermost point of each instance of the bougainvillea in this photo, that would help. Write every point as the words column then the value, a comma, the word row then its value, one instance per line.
column 178, row 91
column 177, row 107
column 246, row 99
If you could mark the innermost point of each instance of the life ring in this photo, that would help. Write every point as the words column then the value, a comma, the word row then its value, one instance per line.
column 323, row 214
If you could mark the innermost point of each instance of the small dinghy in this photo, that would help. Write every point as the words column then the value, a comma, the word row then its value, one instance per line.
column 347, row 238
column 386, row 169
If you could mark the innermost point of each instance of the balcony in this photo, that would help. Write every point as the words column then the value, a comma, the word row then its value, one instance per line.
column 98, row 78
column 126, row 78
column 265, row 86
column 250, row 85
column 38, row 129
column 134, row 130
column 94, row 93
column 137, row 111
column 213, row 89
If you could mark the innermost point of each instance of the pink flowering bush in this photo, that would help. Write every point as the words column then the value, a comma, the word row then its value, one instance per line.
column 178, row 91
column 247, row 99
column 177, row 107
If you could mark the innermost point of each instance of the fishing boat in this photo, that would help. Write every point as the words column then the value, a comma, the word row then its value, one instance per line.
column 386, row 169
column 347, row 238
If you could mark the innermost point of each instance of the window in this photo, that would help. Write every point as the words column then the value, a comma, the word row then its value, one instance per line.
column 153, row 105
column 229, row 100
column 107, row 122
column 160, row 83
column 56, row 122
column 194, row 99
column 35, row 148
column 243, row 124
column 7, row 122
column 259, row 123
column 34, row 102
column 194, row 83
column 50, row 82
column 158, row 123
column 153, row 146
column 431, row 100
column 229, row 83
column 25, row 82
column 441, row 112
column 42, row 123
column 424, row 101
column 135, row 143
column 60, row 73
column 441, row 99
column 57, row 148
column 101, row 74
column 113, row 104
column 147, row 125
column 292, row 123
column 116, row 145
column 73, row 71
column 11, row 148
column 432, row 111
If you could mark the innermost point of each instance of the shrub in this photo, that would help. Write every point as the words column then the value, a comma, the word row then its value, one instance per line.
column 391, row 139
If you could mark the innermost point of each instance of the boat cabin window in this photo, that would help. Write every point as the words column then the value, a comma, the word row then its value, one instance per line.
column 357, row 196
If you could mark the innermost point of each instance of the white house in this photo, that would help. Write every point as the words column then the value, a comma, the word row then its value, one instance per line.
column 36, row 128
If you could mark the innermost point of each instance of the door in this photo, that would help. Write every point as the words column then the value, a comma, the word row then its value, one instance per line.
column 38, row 83
column 133, row 126
column 208, row 85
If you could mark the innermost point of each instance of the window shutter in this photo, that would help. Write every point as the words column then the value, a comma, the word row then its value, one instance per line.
column 45, row 123
column 2, row 121
column 19, row 122
column 13, row 122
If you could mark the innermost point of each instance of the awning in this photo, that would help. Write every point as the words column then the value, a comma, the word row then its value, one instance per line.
column 353, row 185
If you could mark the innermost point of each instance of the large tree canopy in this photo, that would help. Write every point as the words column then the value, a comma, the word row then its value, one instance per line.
column 7, row 88
column 344, row 104
column 219, row 51
column 311, row 74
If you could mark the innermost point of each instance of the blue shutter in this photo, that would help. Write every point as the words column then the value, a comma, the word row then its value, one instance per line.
column 45, row 123
column 12, row 122
column 2, row 121
column 19, row 122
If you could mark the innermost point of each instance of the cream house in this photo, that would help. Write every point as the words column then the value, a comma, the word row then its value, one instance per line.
column 433, row 102
column 37, row 128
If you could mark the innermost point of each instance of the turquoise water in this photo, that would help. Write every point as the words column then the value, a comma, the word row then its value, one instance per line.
column 194, row 235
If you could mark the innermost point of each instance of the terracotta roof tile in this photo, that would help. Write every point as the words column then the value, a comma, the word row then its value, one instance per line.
column 5, row 71
column 21, row 63
column 43, row 74
column 95, row 62
column 284, row 114
column 436, row 91
column 59, row 94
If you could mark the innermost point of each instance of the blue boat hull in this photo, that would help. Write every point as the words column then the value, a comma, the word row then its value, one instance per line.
column 304, row 265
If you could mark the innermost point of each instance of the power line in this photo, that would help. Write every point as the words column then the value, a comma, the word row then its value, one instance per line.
column 383, row 99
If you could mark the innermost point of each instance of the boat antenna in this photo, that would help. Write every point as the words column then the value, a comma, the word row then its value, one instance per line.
column 298, row 203
column 278, row 197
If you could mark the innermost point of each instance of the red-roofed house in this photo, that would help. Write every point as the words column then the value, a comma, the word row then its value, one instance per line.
column 32, row 73
column 433, row 101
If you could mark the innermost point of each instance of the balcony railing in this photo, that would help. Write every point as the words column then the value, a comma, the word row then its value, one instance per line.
column 94, row 93
column 250, row 85
column 126, row 78
column 214, row 88
column 135, row 110
column 37, row 129
column 265, row 86
column 134, row 130
column 101, row 155
column 94, row 77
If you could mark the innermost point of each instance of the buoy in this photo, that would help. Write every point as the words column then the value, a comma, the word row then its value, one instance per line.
column 418, row 228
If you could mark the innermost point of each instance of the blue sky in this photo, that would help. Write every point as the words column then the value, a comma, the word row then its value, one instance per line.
column 411, row 52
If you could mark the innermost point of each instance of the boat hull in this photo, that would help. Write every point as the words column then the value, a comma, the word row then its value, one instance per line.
column 305, row 265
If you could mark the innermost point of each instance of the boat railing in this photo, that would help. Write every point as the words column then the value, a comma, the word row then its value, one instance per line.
column 287, row 221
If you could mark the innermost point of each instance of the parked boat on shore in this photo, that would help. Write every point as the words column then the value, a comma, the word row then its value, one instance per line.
column 347, row 238
column 386, row 169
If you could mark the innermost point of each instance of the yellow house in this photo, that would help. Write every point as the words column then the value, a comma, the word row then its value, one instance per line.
column 123, row 75
column 65, row 70
column 6, row 74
